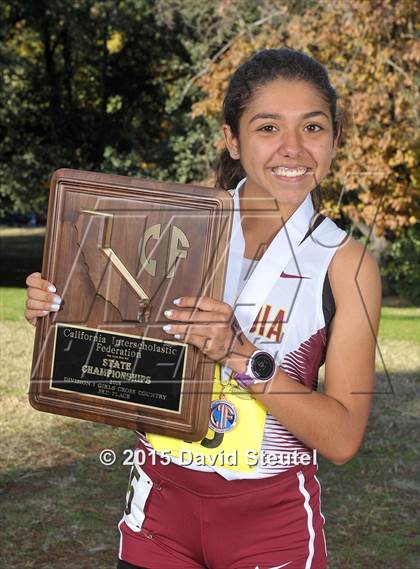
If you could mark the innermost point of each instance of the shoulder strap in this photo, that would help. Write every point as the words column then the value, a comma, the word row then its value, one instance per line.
column 320, row 218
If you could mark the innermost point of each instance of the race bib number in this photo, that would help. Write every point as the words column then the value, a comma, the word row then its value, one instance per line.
column 139, row 487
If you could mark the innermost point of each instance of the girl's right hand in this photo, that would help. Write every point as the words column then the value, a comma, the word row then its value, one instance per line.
column 40, row 298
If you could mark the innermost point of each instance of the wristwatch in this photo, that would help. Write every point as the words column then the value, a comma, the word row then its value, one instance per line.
column 261, row 367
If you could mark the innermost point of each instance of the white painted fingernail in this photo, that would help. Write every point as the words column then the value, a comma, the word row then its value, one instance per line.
column 176, row 301
column 166, row 328
column 168, row 313
column 55, row 307
column 178, row 336
column 57, row 300
column 52, row 288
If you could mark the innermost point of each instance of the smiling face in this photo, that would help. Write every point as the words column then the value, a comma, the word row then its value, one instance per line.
column 286, row 124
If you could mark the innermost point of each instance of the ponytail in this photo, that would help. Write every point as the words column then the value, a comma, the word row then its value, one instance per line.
column 228, row 171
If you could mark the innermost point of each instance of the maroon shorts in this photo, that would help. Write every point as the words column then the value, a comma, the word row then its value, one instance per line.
column 178, row 518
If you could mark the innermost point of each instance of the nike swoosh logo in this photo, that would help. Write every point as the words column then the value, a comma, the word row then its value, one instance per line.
column 287, row 276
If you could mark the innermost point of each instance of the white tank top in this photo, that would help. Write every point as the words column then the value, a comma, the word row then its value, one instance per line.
column 292, row 324
column 276, row 438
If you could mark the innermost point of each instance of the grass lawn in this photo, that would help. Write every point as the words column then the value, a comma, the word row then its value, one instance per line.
column 61, row 506
column 12, row 303
column 400, row 324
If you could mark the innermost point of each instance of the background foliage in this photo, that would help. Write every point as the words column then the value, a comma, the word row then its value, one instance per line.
column 135, row 87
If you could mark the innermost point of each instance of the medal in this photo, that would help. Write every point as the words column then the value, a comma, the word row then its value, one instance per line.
column 223, row 413
column 223, row 416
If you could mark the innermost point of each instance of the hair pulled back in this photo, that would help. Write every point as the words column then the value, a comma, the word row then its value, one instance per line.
column 261, row 68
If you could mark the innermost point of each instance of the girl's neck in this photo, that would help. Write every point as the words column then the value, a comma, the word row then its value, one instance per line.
column 263, row 209
column 262, row 217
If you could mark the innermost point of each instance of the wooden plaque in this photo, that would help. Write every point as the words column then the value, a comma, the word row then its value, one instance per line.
column 119, row 250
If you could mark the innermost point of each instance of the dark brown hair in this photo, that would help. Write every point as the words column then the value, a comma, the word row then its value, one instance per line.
column 261, row 68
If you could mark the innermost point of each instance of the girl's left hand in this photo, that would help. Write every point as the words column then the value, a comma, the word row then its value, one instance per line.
column 211, row 326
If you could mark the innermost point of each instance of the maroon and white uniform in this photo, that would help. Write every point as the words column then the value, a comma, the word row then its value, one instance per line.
column 284, row 305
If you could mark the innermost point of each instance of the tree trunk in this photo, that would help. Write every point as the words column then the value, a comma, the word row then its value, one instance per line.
column 68, row 66
column 55, row 100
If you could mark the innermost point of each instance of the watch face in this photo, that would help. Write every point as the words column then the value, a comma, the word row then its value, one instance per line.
column 263, row 366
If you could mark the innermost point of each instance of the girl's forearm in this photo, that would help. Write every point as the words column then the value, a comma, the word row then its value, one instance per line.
column 319, row 421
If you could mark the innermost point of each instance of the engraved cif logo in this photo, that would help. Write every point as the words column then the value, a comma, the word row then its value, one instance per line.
column 105, row 247
column 171, row 245
column 167, row 250
column 223, row 416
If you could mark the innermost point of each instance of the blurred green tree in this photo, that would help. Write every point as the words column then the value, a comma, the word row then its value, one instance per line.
column 83, row 84
column 109, row 86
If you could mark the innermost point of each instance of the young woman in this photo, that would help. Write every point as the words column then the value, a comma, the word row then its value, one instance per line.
column 298, row 292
